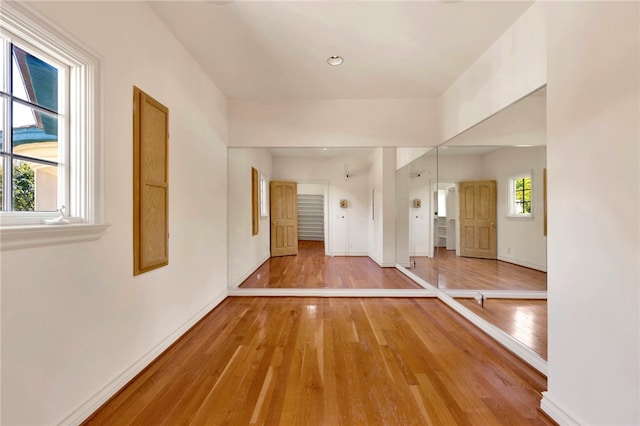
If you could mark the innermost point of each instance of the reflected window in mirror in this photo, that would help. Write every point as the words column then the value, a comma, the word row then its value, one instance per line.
column 264, row 204
column 520, row 188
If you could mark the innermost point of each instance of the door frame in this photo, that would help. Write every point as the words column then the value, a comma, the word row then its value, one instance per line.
column 327, row 217
column 434, row 186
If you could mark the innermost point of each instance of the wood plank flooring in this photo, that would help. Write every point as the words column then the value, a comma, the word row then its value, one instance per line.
column 525, row 320
column 312, row 269
column 323, row 361
column 455, row 272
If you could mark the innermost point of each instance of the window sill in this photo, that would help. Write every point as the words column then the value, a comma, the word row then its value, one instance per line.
column 517, row 217
column 26, row 236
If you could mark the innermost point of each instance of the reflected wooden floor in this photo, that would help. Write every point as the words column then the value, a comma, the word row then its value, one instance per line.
column 457, row 272
column 312, row 269
column 525, row 320
column 322, row 361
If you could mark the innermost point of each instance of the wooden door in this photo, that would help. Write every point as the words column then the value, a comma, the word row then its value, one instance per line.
column 478, row 219
column 284, row 218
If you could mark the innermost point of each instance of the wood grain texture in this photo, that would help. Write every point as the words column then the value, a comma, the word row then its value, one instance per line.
column 283, row 201
column 150, row 183
column 525, row 320
column 322, row 361
column 478, row 219
column 455, row 272
column 312, row 269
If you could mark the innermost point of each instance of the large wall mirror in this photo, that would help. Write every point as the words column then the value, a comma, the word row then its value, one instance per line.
column 469, row 219
column 339, row 207
column 472, row 219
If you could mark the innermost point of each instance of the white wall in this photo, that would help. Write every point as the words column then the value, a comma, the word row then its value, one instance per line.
column 382, row 228
column 520, row 241
column 522, row 123
column 594, row 189
column 388, row 202
column 73, row 316
column 348, row 227
column 376, row 224
column 333, row 122
column 405, row 155
column 403, row 209
column 421, row 244
column 454, row 168
column 311, row 188
column 512, row 67
column 246, row 252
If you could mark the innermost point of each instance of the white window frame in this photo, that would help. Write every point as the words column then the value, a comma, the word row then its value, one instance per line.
column 83, row 179
column 264, row 194
column 511, row 199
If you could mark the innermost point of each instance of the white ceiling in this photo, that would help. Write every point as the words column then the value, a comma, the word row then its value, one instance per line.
column 277, row 50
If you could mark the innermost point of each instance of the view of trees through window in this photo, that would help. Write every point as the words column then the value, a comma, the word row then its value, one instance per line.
column 24, row 187
column 523, row 195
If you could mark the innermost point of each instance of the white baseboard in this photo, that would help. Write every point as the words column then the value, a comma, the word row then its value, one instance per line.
column 523, row 263
column 498, row 294
column 355, row 254
column 554, row 411
column 415, row 278
column 82, row 412
column 250, row 271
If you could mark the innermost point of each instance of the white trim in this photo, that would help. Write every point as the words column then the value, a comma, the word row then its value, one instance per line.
column 331, row 292
column 558, row 414
column 84, row 410
column 523, row 263
column 511, row 201
column 264, row 196
column 85, row 81
column 250, row 271
column 518, row 348
column 497, row 294
column 415, row 278
column 19, row 237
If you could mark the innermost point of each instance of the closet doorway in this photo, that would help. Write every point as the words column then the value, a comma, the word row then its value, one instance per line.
column 312, row 215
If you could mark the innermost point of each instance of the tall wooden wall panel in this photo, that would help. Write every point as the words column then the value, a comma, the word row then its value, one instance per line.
column 150, row 183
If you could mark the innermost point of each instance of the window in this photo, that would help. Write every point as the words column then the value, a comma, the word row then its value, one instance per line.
column 49, row 133
column 520, row 200
column 32, row 151
column 264, row 205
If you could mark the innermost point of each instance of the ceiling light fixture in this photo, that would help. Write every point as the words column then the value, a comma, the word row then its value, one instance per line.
column 335, row 60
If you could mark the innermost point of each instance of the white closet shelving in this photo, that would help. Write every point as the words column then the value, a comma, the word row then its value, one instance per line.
column 311, row 217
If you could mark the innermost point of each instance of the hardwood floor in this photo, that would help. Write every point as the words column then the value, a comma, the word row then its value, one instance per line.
column 312, row 269
column 455, row 272
column 525, row 320
column 323, row 361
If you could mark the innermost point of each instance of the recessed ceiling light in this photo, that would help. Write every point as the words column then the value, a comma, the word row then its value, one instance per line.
column 324, row 149
column 335, row 60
